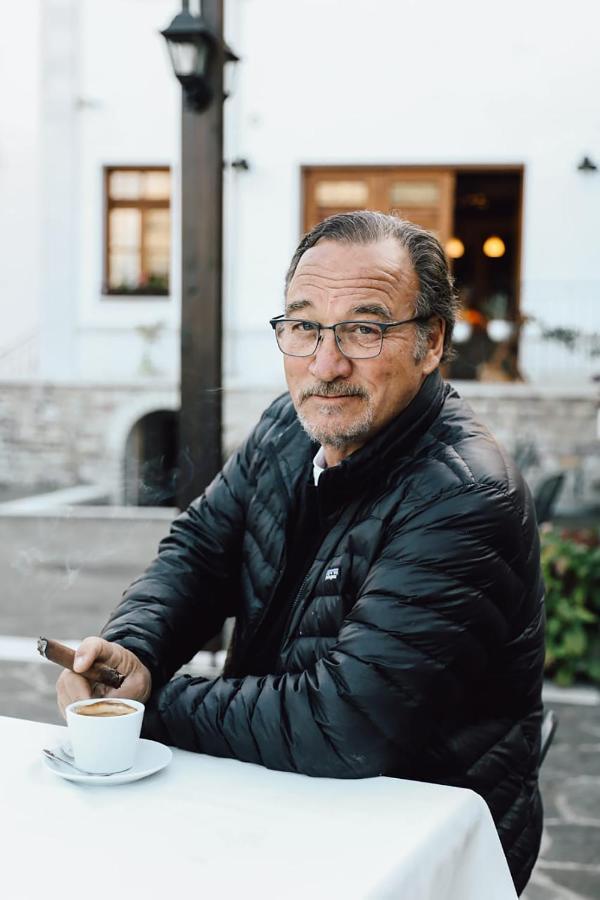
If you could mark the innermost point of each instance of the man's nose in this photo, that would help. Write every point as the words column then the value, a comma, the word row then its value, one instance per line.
column 328, row 362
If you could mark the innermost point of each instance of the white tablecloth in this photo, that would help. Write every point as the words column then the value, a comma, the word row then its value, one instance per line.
column 213, row 828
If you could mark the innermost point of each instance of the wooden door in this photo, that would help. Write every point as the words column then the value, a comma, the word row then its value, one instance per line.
column 424, row 196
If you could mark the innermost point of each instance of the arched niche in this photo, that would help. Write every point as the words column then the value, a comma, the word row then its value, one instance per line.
column 150, row 464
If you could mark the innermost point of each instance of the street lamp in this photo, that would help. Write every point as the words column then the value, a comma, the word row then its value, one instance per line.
column 198, row 55
column 193, row 47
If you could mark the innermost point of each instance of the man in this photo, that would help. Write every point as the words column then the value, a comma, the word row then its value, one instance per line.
column 377, row 548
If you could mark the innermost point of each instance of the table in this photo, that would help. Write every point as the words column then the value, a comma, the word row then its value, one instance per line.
column 215, row 828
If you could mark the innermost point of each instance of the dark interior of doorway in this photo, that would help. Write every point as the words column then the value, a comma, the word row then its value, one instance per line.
column 151, row 460
column 488, row 204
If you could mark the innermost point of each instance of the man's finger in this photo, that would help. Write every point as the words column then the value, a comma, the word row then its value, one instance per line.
column 137, row 684
column 71, row 687
column 135, row 687
column 86, row 654
column 96, row 649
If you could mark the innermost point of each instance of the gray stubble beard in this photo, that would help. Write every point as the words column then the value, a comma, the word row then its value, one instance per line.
column 338, row 440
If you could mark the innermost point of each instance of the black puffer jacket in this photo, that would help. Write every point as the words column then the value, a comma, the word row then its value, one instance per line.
column 415, row 645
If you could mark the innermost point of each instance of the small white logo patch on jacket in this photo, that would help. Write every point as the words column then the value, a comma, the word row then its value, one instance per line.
column 332, row 574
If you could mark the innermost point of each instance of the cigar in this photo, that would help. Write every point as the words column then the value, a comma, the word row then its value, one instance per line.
column 63, row 656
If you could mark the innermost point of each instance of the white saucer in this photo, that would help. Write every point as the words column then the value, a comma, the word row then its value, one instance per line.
column 151, row 757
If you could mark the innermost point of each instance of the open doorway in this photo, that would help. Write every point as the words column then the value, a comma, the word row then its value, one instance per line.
column 151, row 460
column 485, row 253
column 476, row 213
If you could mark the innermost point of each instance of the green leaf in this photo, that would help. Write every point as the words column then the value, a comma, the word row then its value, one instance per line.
column 571, row 570
column 575, row 642
column 564, row 677
column 593, row 669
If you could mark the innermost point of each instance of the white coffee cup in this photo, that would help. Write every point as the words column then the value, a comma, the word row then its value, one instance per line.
column 104, row 744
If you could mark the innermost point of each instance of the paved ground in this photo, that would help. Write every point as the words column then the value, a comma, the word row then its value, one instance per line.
column 569, row 864
column 61, row 577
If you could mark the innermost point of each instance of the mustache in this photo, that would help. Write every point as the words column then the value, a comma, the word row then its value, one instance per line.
column 332, row 389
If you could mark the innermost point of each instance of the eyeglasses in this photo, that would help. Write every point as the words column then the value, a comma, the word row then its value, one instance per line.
column 356, row 340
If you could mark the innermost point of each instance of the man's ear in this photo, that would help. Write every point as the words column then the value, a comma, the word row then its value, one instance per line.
column 435, row 349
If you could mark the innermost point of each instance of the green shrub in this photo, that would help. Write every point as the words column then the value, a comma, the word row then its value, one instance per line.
column 571, row 567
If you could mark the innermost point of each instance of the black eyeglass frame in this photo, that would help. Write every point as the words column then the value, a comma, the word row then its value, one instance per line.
column 383, row 327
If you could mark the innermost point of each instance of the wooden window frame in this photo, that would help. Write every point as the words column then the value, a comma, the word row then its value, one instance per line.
column 142, row 205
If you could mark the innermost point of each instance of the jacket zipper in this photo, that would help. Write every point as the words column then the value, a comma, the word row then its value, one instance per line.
column 293, row 609
column 243, row 653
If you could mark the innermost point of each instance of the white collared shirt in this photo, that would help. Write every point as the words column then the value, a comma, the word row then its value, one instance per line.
column 319, row 464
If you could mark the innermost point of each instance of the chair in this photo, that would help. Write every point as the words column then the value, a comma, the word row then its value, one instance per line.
column 525, row 455
column 546, row 496
column 549, row 726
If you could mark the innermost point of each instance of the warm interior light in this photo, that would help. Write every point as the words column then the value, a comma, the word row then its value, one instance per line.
column 462, row 332
column 499, row 330
column 494, row 247
column 455, row 248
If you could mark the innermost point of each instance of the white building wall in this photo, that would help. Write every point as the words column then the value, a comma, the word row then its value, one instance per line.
column 326, row 82
column 129, row 116
column 60, row 198
column 19, row 186
column 319, row 82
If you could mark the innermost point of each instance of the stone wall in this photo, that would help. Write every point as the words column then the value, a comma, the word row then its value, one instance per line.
column 62, row 435
column 552, row 429
column 57, row 435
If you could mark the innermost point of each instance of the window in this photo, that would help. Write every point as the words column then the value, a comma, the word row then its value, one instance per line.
column 138, row 231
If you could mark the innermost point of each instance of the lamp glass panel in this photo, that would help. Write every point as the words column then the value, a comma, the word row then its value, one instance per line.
column 187, row 58
column 201, row 59
column 230, row 79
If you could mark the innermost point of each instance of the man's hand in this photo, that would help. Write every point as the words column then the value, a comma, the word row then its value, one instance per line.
column 71, row 686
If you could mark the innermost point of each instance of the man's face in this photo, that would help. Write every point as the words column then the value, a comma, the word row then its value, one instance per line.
column 343, row 402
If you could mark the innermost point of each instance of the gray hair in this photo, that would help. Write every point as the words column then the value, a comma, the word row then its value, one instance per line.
column 436, row 295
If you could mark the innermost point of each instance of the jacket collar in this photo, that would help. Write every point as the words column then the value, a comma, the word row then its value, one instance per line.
column 398, row 436
column 372, row 461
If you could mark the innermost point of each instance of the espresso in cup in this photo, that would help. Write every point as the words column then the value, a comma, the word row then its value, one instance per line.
column 105, row 708
column 105, row 734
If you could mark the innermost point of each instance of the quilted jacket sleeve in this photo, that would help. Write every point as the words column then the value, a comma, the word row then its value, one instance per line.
column 183, row 598
column 444, row 593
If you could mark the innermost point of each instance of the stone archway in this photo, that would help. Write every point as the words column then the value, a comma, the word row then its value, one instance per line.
column 151, row 460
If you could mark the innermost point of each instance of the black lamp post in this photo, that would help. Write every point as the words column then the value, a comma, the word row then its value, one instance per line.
column 198, row 55
column 193, row 47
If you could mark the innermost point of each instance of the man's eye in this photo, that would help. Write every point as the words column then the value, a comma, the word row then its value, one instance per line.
column 363, row 329
column 303, row 326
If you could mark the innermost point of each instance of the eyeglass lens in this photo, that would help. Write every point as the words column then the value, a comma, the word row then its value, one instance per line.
column 358, row 340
